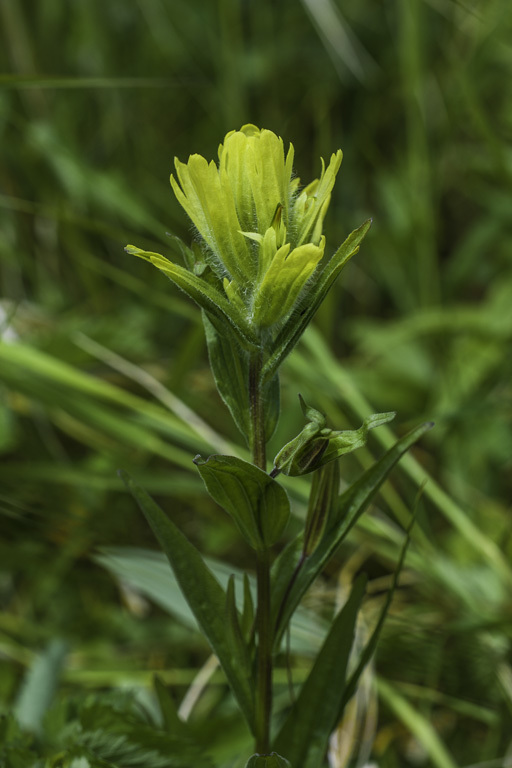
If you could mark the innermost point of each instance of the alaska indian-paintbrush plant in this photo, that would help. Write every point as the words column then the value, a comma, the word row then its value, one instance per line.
column 259, row 270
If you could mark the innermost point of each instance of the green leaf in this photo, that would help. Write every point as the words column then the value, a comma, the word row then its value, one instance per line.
column 202, row 591
column 256, row 502
column 267, row 761
column 233, row 625
column 193, row 257
column 285, row 570
column 200, row 291
column 110, row 732
column 15, row 745
column 39, row 685
column 148, row 572
column 230, row 368
column 323, row 500
column 271, row 405
column 351, row 506
column 305, row 733
column 248, row 614
column 297, row 324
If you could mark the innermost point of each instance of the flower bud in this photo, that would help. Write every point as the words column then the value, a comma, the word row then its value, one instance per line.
column 317, row 445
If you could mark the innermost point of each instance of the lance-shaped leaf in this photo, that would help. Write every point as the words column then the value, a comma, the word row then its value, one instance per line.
column 248, row 613
column 352, row 503
column 233, row 625
column 311, row 204
column 204, row 594
column 295, row 326
column 305, row 733
column 256, row 502
column 204, row 294
column 267, row 761
column 285, row 571
column 271, row 404
column 230, row 368
column 323, row 501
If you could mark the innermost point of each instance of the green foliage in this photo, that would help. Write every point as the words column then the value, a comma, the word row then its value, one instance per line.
column 15, row 745
column 252, row 185
column 304, row 734
column 206, row 296
column 256, row 502
column 420, row 322
column 205, row 596
column 231, row 372
column 288, row 589
column 230, row 367
column 99, row 732
column 317, row 445
column 323, row 500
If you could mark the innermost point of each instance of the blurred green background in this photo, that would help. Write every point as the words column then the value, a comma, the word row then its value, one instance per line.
column 103, row 363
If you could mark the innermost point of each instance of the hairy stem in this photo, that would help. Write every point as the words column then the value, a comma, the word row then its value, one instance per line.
column 264, row 669
column 263, row 609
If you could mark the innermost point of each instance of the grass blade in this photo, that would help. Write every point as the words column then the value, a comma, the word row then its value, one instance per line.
column 417, row 724
column 39, row 686
column 371, row 645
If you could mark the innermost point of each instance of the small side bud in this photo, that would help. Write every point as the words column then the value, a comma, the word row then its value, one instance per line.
column 318, row 445
column 301, row 454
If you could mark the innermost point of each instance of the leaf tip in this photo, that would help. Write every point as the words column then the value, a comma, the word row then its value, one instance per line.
column 124, row 476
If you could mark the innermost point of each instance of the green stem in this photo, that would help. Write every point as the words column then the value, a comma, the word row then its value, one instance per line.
column 263, row 707
column 264, row 669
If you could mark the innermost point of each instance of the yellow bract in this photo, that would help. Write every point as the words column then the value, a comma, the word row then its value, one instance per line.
column 261, row 236
column 284, row 280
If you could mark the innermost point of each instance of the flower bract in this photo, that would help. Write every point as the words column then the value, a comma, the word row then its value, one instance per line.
column 260, row 234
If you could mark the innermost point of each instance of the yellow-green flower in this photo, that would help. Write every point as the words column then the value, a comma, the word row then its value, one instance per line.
column 259, row 233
